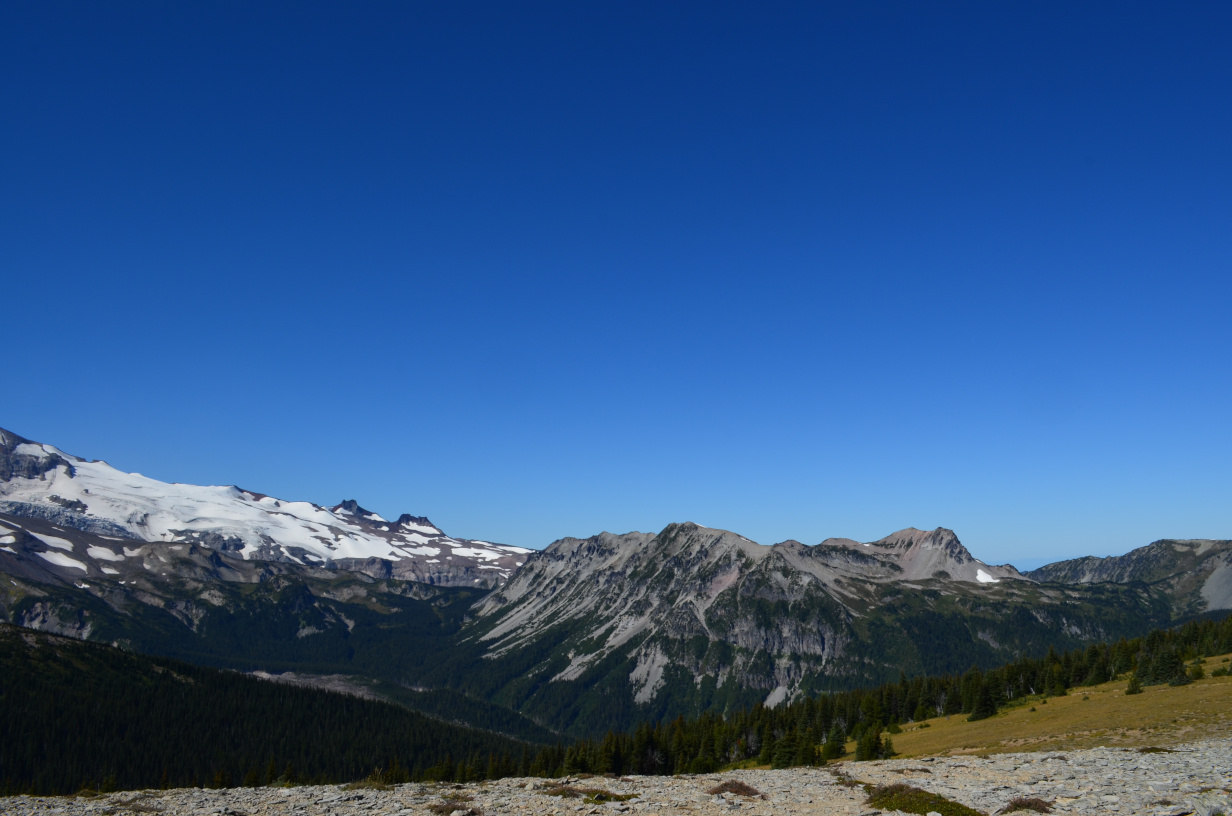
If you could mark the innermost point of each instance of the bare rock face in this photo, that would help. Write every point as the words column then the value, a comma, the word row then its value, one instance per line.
column 1198, row 573
column 693, row 611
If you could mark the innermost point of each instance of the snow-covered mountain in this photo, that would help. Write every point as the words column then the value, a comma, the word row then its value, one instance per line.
column 41, row 481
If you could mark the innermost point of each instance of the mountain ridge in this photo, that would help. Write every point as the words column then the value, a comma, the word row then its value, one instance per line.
column 38, row 480
column 584, row 635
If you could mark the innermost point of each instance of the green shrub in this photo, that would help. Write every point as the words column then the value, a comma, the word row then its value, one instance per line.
column 1027, row 803
column 911, row 799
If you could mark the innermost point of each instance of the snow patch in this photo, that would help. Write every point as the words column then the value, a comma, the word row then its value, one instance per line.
column 9, row 550
column 62, row 560
column 985, row 578
column 103, row 554
column 472, row 552
column 110, row 571
column 421, row 550
column 58, row 543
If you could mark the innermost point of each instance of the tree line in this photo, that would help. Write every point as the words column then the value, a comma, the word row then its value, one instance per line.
column 814, row 730
column 79, row 715
column 76, row 715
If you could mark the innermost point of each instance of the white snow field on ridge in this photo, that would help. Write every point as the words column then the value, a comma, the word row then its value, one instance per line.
column 46, row 482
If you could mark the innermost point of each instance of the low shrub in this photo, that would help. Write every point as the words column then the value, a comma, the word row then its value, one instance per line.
column 590, row 795
column 734, row 786
column 1027, row 803
column 910, row 799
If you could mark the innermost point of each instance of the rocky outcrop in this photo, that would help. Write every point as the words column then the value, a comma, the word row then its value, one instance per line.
column 22, row 459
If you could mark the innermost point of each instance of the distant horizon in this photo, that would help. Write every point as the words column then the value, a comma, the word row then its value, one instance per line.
column 800, row 270
column 1022, row 564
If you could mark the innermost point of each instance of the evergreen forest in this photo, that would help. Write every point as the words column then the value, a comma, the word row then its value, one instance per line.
column 76, row 715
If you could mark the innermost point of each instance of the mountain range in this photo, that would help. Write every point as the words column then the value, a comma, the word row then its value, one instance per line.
column 584, row 635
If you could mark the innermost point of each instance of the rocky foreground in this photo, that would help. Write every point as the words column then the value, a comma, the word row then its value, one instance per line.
column 1190, row 779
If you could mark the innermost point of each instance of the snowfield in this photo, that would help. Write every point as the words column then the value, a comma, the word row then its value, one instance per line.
column 247, row 524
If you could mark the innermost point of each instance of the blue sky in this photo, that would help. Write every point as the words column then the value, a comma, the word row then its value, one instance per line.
column 546, row 269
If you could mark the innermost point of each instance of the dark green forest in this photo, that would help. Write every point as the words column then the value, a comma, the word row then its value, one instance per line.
column 76, row 715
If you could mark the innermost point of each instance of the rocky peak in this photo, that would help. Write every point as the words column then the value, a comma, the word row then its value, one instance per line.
column 416, row 522
column 20, row 458
column 350, row 507
column 923, row 554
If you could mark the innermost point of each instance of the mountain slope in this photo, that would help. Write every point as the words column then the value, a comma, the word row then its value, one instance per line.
column 41, row 481
column 640, row 626
column 1197, row 573
column 333, row 628
column 79, row 713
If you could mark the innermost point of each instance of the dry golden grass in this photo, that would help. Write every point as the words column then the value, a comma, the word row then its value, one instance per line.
column 1161, row 715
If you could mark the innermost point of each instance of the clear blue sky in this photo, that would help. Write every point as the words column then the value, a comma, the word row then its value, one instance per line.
column 545, row 269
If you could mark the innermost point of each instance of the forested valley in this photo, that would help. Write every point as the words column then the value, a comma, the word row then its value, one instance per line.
column 81, row 715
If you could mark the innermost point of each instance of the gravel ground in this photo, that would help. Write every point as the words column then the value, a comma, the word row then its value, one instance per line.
column 1192, row 779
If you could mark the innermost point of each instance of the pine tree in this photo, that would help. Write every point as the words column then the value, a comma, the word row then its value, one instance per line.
column 869, row 745
column 767, row 747
column 835, row 745
column 806, row 750
column 785, row 752
column 983, row 707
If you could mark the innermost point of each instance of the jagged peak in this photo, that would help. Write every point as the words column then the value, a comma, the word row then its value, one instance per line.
column 350, row 507
column 407, row 520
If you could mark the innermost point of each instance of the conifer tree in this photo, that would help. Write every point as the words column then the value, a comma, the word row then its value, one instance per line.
column 785, row 751
column 984, row 706
column 835, row 745
column 869, row 745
